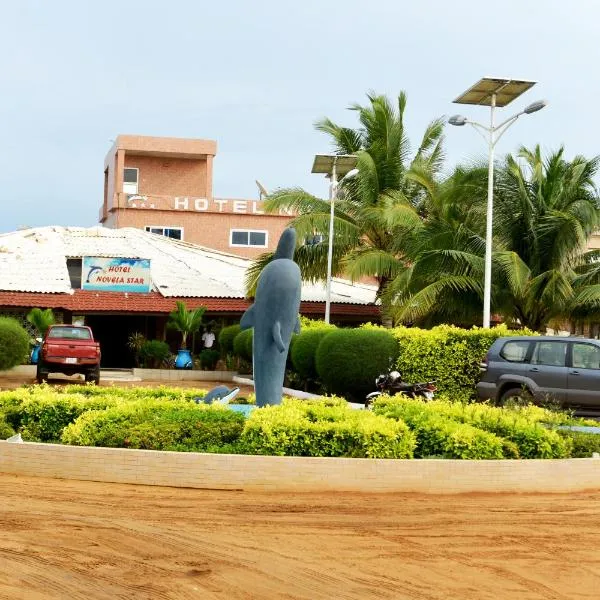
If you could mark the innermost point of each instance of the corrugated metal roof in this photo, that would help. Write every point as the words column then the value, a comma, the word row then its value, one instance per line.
column 35, row 260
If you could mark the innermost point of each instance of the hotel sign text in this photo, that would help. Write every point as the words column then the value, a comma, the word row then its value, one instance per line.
column 242, row 207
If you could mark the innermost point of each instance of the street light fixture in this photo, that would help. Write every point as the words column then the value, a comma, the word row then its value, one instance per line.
column 333, row 165
column 493, row 92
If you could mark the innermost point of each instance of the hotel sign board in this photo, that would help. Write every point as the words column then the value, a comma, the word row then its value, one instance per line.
column 103, row 274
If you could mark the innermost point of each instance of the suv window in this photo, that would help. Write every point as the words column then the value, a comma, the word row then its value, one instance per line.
column 586, row 356
column 515, row 351
column 552, row 354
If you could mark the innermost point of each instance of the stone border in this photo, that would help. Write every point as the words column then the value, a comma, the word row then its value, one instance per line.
column 182, row 375
column 141, row 374
column 285, row 474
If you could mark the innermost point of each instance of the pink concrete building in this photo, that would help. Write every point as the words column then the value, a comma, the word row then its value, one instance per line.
column 164, row 186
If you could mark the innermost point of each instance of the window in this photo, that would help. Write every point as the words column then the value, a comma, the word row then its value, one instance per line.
column 130, row 180
column 244, row 237
column 586, row 356
column 175, row 233
column 515, row 351
column 552, row 354
column 69, row 333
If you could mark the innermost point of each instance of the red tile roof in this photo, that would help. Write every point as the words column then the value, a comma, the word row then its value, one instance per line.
column 86, row 302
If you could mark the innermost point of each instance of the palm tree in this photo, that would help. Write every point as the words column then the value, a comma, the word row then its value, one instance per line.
column 545, row 212
column 41, row 319
column 186, row 321
column 375, row 210
column 441, row 280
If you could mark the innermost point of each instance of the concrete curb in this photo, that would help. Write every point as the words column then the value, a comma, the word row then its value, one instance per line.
column 300, row 474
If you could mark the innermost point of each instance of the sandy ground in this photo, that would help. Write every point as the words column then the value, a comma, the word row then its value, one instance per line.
column 68, row 539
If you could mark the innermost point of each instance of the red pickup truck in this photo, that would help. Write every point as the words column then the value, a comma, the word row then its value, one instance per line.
column 69, row 349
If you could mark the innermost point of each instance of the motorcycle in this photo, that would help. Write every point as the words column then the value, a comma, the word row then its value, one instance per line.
column 391, row 383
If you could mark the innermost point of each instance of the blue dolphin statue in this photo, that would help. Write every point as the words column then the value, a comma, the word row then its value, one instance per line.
column 274, row 316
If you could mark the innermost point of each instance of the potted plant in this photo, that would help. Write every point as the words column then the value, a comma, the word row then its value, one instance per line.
column 135, row 342
column 187, row 322
column 41, row 321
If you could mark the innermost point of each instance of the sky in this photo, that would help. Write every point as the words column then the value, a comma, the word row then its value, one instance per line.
column 255, row 76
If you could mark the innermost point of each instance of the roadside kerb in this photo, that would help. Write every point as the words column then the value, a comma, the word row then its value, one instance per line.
column 302, row 474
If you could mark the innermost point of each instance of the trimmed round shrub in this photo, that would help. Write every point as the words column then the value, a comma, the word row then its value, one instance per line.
column 153, row 353
column 14, row 343
column 242, row 344
column 349, row 360
column 304, row 350
column 226, row 337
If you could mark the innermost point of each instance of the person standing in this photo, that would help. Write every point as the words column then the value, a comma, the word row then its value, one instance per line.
column 208, row 338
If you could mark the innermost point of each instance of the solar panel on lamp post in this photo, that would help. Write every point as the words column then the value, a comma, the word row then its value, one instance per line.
column 493, row 92
column 333, row 165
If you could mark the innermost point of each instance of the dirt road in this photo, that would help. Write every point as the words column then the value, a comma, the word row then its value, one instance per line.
column 66, row 539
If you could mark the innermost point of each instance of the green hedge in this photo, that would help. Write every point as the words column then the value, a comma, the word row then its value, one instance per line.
column 349, row 360
column 325, row 428
column 448, row 354
column 157, row 425
column 14, row 343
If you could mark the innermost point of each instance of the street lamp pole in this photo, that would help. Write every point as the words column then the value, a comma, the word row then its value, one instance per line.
column 487, row 283
column 333, row 165
column 487, row 92
column 332, row 195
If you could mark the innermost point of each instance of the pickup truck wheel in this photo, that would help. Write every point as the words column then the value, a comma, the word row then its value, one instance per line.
column 41, row 372
column 516, row 395
column 93, row 376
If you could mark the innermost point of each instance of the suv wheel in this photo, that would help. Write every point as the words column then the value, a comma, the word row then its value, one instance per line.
column 516, row 395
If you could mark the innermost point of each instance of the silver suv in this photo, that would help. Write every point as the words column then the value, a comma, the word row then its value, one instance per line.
column 563, row 369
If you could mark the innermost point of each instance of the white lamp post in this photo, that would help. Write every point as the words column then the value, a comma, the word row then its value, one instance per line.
column 333, row 165
column 493, row 92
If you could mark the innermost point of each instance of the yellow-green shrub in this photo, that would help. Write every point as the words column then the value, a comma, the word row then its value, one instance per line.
column 40, row 416
column 6, row 430
column 41, row 412
column 157, row 425
column 531, row 437
column 443, row 437
column 325, row 428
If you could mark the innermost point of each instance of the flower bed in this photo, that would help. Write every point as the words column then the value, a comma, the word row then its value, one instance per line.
column 168, row 419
